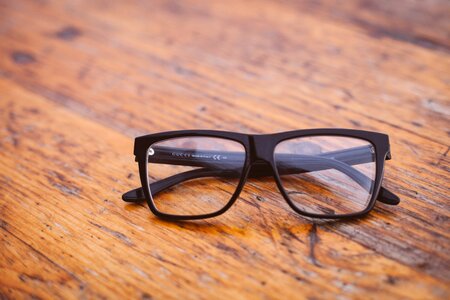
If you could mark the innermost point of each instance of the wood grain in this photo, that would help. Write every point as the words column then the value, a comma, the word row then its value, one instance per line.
column 79, row 81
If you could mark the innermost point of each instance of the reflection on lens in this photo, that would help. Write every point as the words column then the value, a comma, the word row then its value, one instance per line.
column 327, row 175
column 192, row 176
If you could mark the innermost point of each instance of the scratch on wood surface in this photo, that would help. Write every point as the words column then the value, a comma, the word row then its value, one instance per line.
column 114, row 233
column 313, row 241
column 3, row 224
column 140, row 272
column 442, row 157
column 267, row 227
column 68, row 33
column 59, row 181
column 22, row 57
column 13, row 134
column 230, row 250
column 26, row 277
column 434, row 106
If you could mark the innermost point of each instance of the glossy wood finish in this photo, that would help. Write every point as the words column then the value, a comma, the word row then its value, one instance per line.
column 79, row 80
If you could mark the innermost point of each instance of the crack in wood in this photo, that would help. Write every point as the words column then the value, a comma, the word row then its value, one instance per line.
column 313, row 241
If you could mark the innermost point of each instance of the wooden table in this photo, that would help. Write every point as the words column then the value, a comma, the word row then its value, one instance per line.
column 80, row 79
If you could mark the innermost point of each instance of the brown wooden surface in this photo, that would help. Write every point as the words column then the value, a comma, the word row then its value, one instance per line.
column 80, row 79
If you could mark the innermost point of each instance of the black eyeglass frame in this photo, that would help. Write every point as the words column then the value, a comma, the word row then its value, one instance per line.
column 261, row 147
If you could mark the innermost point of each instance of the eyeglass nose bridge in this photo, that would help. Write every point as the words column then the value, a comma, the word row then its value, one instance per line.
column 261, row 157
column 261, row 149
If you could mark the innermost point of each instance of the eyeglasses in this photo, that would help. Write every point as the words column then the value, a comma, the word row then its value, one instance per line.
column 321, row 173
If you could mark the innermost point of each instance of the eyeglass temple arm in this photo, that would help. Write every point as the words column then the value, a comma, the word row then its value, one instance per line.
column 340, row 160
column 137, row 195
